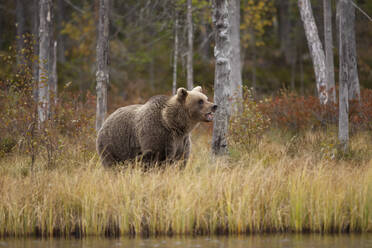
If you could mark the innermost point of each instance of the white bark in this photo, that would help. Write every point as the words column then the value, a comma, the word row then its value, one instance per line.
column 175, row 56
column 328, row 45
column 316, row 49
column 190, row 39
column 347, row 11
column 343, row 120
column 236, row 69
column 222, row 91
column 53, row 74
column 45, row 32
column 102, row 74
column 35, row 33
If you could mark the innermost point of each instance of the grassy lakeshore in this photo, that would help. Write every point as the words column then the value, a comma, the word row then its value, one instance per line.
column 285, row 183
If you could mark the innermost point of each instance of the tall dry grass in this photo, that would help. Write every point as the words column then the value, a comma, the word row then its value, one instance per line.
column 285, row 183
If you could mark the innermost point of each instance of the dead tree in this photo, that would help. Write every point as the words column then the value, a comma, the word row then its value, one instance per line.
column 222, row 88
column 328, row 46
column 235, row 60
column 102, row 74
column 349, row 81
column 316, row 49
column 45, row 35
column 346, row 10
column 190, row 40
column 175, row 55
column 53, row 75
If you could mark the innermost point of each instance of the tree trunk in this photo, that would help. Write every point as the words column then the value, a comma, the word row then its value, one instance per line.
column 254, row 61
column 222, row 91
column 175, row 56
column 315, row 47
column 236, row 69
column 204, row 45
column 293, row 73
column 285, row 29
column 190, row 39
column 346, row 10
column 328, row 45
column 53, row 74
column 45, row 34
column 344, row 70
column 61, row 44
column 20, row 27
column 302, row 87
column 35, row 33
column 102, row 74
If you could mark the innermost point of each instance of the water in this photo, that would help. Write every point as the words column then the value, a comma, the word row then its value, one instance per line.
column 256, row 241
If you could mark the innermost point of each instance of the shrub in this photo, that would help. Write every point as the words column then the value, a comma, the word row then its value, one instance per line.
column 293, row 112
column 70, row 116
column 248, row 123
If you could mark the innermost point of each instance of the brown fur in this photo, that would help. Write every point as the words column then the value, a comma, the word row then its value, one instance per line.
column 158, row 130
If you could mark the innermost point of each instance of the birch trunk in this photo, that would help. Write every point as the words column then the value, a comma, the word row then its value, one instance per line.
column 190, row 39
column 315, row 47
column 35, row 33
column 45, row 33
column 53, row 75
column 236, row 69
column 102, row 74
column 328, row 45
column 343, row 120
column 175, row 56
column 222, row 91
column 347, row 11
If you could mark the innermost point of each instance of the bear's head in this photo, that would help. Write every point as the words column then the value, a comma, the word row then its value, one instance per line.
column 197, row 104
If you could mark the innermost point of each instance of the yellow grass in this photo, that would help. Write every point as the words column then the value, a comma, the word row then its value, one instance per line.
column 284, row 184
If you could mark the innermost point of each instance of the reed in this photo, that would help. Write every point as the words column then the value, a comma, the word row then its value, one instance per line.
column 283, row 184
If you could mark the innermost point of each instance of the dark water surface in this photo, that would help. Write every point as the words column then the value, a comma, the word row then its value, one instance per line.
column 256, row 241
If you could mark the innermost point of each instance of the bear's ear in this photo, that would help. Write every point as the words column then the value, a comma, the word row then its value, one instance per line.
column 198, row 88
column 181, row 94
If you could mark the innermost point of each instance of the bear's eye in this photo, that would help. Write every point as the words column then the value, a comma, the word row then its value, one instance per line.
column 201, row 102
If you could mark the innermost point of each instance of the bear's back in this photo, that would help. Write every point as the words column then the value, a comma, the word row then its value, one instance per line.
column 118, row 125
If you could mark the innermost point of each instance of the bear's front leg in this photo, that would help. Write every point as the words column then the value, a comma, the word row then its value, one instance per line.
column 183, row 152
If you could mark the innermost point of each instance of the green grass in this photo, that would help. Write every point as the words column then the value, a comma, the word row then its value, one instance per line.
column 285, row 183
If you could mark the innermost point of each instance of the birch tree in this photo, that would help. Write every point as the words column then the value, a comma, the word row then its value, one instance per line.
column 102, row 74
column 315, row 47
column 175, row 55
column 349, row 81
column 190, row 39
column 35, row 33
column 45, row 34
column 343, row 120
column 346, row 11
column 235, row 60
column 328, row 46
column 53, row 74
column 222, row 91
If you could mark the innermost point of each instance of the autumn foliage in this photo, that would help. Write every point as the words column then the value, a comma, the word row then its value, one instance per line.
column 291, row 111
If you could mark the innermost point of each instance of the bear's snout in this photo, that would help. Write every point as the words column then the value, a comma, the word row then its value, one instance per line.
column 214, row 108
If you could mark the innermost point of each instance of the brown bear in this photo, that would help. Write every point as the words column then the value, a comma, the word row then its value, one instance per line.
column 157, row 131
